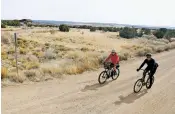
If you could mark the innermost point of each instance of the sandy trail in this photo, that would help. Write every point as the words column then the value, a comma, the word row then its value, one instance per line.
column 83, row 95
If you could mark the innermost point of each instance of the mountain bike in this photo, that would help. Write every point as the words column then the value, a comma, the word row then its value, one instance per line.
column 109, row 72
column 141, row 82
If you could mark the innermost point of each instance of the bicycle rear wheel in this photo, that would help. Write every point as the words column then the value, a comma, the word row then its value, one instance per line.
column 102, row 77
column 148, row 82
column 138, row 85
column 115, row 76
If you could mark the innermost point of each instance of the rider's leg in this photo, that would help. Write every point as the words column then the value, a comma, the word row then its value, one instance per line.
column 144, row 73
column 152, row 72
column 115, row 67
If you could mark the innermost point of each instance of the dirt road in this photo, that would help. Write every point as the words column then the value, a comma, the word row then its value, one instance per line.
column 83, row 95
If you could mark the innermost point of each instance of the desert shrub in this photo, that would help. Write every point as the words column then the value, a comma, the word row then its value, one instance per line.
column 49, row 54
column 31, row 65
column 53, row 71
column 47, row 44
column 11, row 22
column 61, row 48
column 38, row 54
column 124, row 56
column 16, row 78
column 4, row 55
column 11, row 51
column 73, row 55
column 92, row 29
column 170, row 34
column 128, row 32
column 52, row 31
column 143, row 51
column 172, row 45
column 160, row 33
column 160, row 49
column 73, row 68
column 104, row 29
column 84, row 49
column 22, row 51
column 146, row 31
column 5, row 38
column 30, row 74
column 167, row 47
column 140, row 33
column 3, row 72
column 3, row 25
column 64, row 28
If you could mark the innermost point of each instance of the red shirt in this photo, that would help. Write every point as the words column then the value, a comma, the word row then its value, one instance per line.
column 113, row 58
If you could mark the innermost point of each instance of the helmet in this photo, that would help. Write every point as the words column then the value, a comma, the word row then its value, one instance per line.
column 148, row 55
column 113, row 51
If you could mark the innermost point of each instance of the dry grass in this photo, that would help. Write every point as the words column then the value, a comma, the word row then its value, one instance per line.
column 6, row 38
column 49, row 54
column 31, row 65
column 23, row 51
column 16, row 78
column 11, row 50
column 53, row 71
column 4, row 55
column 40, row 49
column 124, row 56
column 4, row 72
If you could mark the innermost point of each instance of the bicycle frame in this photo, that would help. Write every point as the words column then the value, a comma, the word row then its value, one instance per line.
column 148, row 73
column 108, row 68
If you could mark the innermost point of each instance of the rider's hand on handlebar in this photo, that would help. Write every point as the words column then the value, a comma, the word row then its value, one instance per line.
column 138, row 70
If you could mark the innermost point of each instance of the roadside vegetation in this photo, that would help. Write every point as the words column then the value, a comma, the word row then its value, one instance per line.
column 46, row 53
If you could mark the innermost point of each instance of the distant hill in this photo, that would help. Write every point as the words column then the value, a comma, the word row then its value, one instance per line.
column 97, row 24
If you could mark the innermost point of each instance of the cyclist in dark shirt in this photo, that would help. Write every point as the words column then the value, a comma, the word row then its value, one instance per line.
column 151, row 66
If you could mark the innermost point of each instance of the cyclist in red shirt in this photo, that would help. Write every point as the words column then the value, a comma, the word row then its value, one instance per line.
column 114, row 59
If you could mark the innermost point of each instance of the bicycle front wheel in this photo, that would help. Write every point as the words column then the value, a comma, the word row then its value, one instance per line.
column 138, row 85
column 102, row 77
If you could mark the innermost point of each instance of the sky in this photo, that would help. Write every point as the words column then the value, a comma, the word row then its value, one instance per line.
column 135, row 12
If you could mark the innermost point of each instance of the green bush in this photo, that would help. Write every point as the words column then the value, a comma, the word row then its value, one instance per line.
column 140, row 33
column 3, row 25
column 160, row 33
column 170, row 34
column 64, row 28
column 128, row 32
column 146, row 31
column 92, row 29
column 11, row 22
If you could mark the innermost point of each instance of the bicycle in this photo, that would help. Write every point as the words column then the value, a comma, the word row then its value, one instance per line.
column 108, row 72
column 141, row 82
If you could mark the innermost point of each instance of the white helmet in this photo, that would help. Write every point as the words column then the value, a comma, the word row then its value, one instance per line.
column 113, row 51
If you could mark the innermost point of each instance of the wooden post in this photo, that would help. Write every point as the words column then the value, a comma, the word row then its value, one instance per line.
column 16, row 55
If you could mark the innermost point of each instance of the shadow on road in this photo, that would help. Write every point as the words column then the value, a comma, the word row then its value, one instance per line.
column 130, row 98
column 95, row 86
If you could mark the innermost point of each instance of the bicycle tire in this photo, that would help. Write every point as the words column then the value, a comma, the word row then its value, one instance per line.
column 118, row 73
column 135, row 85
column 100, row 75
column 148, row 82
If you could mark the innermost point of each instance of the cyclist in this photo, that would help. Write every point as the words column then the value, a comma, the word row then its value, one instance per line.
column 114, row 59
column 151, row 66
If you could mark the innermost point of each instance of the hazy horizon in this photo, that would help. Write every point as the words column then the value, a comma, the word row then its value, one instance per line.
column 133, row 12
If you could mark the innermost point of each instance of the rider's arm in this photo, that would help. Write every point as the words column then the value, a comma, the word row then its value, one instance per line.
column 108, row 58
column 142, row 64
